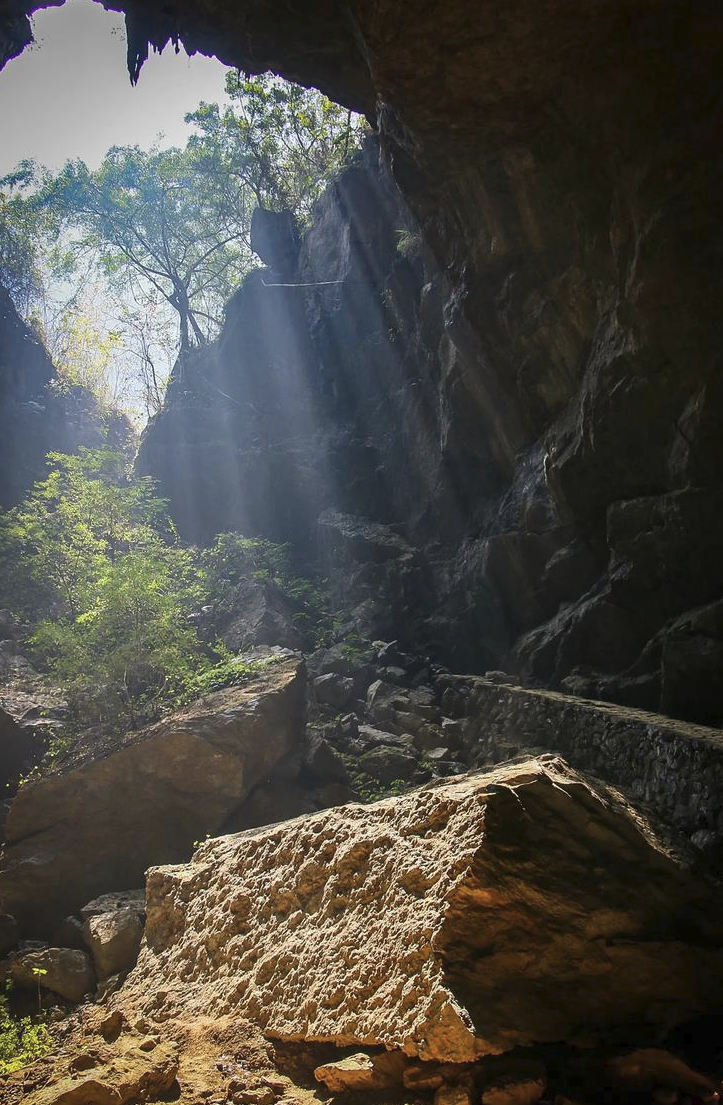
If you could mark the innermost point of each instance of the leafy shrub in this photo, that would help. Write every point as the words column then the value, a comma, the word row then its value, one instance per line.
column 227, row 673
column 233, row 558
column 97, row 552
column 92, row 562
column 21, row 1041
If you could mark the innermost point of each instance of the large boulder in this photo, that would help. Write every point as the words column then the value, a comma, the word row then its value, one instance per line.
column 114, row 938
column 259, row 614
column 512, row 908
column 102, row 818
column 67, row 972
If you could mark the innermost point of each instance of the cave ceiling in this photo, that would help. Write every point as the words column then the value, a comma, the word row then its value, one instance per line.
column 503, row 69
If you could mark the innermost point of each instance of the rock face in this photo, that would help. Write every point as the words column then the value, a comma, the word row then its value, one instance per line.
column 461, row 920
column 548, row 340
column 506, row 444
column 35, row 418
column 258, row 433
column 674, row 767
column 102, row 818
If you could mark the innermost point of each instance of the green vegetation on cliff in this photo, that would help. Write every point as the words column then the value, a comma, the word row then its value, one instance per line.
column 92, row 561
column 93, row 566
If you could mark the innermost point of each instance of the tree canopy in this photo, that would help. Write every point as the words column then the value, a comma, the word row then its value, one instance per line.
column 153, row 222
column 277, row 145
column 24, row 230
column 165, row 233
column 175, row 223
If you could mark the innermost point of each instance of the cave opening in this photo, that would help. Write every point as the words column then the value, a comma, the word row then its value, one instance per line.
column 250, row 282
column 448, row 393
column 127, row 207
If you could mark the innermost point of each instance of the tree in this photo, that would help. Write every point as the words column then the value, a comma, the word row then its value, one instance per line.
column 152, row 217
column 84, row 351
column 176, row 223
column 23, row 230
column 277, row 145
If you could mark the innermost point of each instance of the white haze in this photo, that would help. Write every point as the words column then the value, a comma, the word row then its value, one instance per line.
column 69, row 95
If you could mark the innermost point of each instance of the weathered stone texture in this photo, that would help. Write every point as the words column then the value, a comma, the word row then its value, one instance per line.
column 96, row 823
column 64, row 971
column 135, row 1071
column 510, row 908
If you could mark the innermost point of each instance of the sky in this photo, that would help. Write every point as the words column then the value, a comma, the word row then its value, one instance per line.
column 69, row 95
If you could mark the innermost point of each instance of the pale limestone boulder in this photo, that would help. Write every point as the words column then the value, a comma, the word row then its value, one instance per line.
column 108, row 813
column 362, row 1071
column 113, row 929
column 114, row 940
column 117, row 899
column 511, row 908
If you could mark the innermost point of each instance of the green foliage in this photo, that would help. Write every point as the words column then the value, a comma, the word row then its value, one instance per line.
column 277, row 145
column 91, row 562
column 21, row 1041
column 370, row 789
column 98, row 552
column 83, row 351
column 24, row 227
column 409, row 242
column 227, row 673
column 233, row 558
column 175, row 223
column 353, row 646
column 56, row 546
column 38, row 974
column 152, row 222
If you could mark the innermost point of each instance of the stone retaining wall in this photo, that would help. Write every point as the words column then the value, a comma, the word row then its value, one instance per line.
column 674, row 766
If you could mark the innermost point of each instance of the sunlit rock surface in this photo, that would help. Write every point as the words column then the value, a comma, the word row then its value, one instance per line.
column 463, row 919
column 104, row 815
column 135, row 1070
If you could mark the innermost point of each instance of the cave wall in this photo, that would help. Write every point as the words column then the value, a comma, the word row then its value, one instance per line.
column 559, row 385
column 36, row 417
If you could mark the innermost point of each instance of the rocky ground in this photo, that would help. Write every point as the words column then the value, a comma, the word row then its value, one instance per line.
column 417, row 900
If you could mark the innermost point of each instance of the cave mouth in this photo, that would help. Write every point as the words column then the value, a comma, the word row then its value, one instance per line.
column 128, row 207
